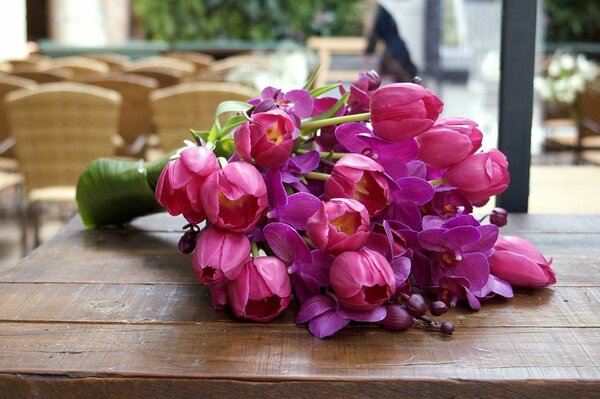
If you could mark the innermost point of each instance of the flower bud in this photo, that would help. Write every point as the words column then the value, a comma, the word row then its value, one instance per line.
column 416, row 305
column 447, row 328
column 499, row 217
column 373, row 79
column 187, row 242
column 397, row 318
column 438, row 308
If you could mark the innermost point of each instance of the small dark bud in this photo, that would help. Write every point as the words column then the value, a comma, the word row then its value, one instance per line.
column 416, row 305
column 187, row 242
column 438, row 308
column 264, row 106
column 397, row 318
column 447, row 328
column 499, row 217
column 374, row 79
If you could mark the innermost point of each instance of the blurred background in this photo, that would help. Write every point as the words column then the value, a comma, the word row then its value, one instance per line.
column 135, row 75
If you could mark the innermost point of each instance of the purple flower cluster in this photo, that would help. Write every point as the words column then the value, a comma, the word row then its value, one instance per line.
column 348, row 205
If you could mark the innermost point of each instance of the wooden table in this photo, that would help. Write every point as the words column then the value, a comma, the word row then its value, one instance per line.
column 119, row 314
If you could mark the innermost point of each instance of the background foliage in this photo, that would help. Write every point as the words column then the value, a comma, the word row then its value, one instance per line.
column 175, row 20
column 572, row 20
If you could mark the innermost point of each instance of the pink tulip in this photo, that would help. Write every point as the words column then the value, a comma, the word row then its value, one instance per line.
column 339, row 225
column 449, row 142
column 235, row 197
column 218, row 295
column 361, row 178
column 262, row 290
column 480, row 176
column 362, row 280
column 519, row 263
column 268, row 138
column 401, row 111
column 219, row 255
column 180, row 181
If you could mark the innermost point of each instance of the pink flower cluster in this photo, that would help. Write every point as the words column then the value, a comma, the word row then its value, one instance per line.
column 348, row 205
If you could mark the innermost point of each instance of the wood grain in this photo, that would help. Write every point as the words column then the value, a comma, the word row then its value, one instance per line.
column 118, row 313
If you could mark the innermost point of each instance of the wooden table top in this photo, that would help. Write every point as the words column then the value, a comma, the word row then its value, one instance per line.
column 118, row 313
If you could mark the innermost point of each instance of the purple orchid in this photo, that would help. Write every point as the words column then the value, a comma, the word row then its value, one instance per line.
column 462, row 247
column 294, row 209
column 325, row 317
column 358, row 138
column 448, row 202
column 298, row 103
column 309, row 270
column 294, row 167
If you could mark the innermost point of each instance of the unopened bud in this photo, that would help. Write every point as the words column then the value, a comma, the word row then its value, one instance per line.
column 499, row 217
column 264, row 106
column 447, row 328
column 416, row 305
column 187, row 242
column 374, row 79
column 438, row 308
column 397, row 318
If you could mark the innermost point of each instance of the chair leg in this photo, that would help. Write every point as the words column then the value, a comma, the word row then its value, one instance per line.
column 23, row 208
column 35, row 217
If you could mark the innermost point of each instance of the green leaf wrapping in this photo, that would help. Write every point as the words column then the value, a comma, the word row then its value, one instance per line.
column 112, row 192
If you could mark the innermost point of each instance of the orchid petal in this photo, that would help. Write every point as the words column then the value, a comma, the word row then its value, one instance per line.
column 300, row 207
column 366, row 316
column 327, row 324
column 415, row 190
column 286, row 243
column 314, row 307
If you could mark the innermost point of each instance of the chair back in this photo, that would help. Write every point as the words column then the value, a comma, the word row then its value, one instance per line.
column 164, row 76
column 60, row 128
column 116, row 62
column 200, row 61
column 10, row 83
column 80, row 67
column 58, row 75
column 589, row 108
column 188, row 106
column 136, row 116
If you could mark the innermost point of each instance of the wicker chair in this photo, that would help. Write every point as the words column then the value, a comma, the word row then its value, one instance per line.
column 81, row 68
column 136, row 117
column 7, row 84
column 164, row 76
column 116, row 62
column 188, row 106
column 60, row 75
column 59, row 128
column 201, row 61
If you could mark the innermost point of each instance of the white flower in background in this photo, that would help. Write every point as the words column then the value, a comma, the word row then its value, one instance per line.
column 567, row 77
column 288, row 68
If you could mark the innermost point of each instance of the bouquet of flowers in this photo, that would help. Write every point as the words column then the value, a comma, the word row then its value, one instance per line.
column 357, row 206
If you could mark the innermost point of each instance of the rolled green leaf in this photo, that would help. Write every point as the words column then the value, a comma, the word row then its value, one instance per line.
column 111, row 192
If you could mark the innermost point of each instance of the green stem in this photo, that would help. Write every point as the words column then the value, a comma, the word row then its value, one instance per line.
column 317, row 176
column 324, row 154
column 310, row 125
column 255, row 253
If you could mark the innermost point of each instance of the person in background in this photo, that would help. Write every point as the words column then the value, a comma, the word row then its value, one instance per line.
column 395, row 61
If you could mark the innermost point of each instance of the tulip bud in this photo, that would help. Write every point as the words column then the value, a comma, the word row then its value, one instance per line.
column 373, row 79
column 516, row 261
column 262, row 290
column 362, row 280
column 397, row 318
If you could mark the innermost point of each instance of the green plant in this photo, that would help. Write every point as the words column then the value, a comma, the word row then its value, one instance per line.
column 176, row 20
column 572, row 20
